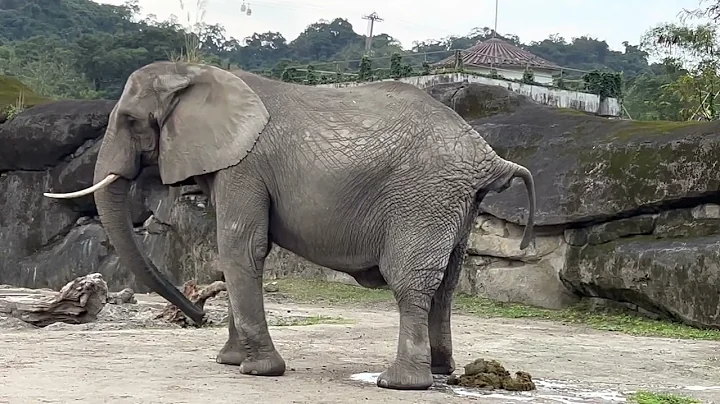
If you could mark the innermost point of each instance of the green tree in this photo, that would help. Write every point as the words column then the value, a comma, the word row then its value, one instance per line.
column 647, row 97
column 311, row 78
column 396, row 66
column 695, row 49
column 365, row 72
column 528, row 76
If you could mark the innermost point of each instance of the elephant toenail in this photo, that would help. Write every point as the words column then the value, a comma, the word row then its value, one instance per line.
column 383, row 383
column 253, row 372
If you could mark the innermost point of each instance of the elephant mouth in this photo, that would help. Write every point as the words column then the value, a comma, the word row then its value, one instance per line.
column 87, row 191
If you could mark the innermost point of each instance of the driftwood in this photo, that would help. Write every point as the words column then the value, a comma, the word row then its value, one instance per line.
column 190, row 289
column 78, row 302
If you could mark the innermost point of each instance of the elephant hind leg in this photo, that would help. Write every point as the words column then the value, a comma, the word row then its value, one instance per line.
column 233, row 352
column 414, row 272
column 441, row 351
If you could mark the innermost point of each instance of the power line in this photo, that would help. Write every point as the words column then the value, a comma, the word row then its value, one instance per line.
column 371, row 24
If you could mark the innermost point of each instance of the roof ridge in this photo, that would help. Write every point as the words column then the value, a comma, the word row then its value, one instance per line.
column 499, row 52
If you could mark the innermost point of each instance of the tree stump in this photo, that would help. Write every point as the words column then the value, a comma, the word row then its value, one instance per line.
column 78, row 302
column 190, row 289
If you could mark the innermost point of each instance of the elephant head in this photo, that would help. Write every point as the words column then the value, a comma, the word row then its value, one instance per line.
column 188, row 119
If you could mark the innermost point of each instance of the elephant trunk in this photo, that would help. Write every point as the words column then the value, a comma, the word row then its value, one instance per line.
column 527, row 178
column 113, row 207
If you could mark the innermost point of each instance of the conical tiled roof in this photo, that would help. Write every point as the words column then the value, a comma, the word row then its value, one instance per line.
column 498, row 53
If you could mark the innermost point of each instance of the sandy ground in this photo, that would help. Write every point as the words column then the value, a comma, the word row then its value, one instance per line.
column 127, row 357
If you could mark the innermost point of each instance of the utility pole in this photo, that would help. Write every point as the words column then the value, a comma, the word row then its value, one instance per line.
column 496, row 14
column 371, row 24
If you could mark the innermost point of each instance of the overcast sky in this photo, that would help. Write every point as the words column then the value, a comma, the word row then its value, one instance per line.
column 409, row 20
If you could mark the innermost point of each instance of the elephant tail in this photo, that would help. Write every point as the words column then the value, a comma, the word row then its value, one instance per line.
column 527, row 177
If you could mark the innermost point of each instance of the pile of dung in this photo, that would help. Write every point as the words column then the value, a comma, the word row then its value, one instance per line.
column 490, row 375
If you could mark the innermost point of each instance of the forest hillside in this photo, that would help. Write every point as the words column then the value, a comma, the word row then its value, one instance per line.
column 82, row 49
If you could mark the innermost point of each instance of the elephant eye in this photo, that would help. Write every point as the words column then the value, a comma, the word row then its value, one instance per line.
column 134, row 124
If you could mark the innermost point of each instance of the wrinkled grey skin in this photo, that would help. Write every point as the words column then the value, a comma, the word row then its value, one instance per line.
column 380, row 181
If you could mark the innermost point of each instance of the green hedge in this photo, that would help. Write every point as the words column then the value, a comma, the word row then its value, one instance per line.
column 604, row 84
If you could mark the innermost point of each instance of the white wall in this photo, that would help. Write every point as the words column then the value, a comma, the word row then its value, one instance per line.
column 541, row 76
column 554, row 97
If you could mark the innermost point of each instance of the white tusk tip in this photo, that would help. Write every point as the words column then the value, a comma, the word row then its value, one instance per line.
column 87, row 191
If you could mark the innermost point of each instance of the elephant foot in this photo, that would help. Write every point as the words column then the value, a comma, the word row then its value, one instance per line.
column 267, row 365
column 231, row 355
column 446, row 366
column 405, row 378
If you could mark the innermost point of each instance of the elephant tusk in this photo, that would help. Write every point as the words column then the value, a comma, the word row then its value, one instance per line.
column 87, row 191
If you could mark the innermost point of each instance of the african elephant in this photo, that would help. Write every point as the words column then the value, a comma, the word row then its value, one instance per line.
column 379, row 181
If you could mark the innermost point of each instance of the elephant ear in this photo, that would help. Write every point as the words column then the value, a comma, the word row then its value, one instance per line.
column 213, row 123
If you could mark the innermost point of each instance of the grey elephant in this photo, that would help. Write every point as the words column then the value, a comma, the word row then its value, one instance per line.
column 379, row 181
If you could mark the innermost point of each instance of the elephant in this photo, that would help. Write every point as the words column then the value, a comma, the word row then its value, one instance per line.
column 379, row 181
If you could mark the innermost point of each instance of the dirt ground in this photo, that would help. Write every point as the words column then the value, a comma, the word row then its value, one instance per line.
column 127, row 357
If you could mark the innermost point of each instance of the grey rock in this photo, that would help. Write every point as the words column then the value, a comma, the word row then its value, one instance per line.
column 28, row 220
column 588, row 167
column 613, row 230
column 514, row 278
column 700, row 221
column 77, row 254
column 673, row 278
column 125, row 296
column 271, row 287
column 42, row 136
column 77, row 174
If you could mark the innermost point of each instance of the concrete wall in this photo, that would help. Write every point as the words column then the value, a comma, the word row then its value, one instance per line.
column 554, row 97
column 541, row 76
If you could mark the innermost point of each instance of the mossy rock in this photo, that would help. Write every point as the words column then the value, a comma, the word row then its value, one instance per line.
column 588, row 167
column 11, row 89
column 675, row 278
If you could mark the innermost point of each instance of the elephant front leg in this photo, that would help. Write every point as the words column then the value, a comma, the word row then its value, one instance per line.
column 243, row 245
column 244, row 285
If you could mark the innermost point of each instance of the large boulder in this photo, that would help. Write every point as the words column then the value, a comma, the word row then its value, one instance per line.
column 45, row 135
column 630, row 204
column 588, row 168
column 28, row 220
column 53, row 147
column 665, row 263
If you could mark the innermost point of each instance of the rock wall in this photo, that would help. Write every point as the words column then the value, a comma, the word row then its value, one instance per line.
column 627, row 211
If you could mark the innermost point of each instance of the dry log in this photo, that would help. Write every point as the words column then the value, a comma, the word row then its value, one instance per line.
column 190, row 289
column 78, row 302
